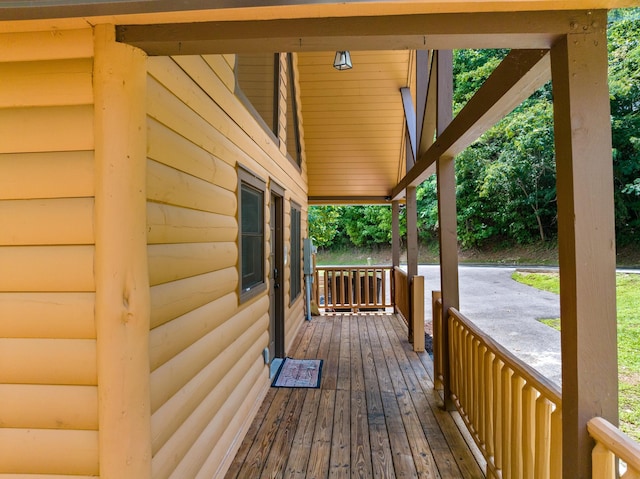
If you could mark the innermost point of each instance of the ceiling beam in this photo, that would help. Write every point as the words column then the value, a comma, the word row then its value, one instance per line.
column 519, row 75
column 391, row 32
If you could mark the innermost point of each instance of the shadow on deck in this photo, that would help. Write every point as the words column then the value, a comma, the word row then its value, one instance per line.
column 375, row 415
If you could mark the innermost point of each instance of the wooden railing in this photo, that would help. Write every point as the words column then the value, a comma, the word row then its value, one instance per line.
column 513, row 413
column 353, row 288
column 409, row 302
column 401, row 290
column 613, row 447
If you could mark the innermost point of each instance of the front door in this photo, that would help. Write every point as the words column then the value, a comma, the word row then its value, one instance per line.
column 276, row 264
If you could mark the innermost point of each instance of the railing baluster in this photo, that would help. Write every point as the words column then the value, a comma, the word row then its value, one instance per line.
column 488, row 403
column 517, row 384
column 529, row 395
column 454, row 345
column 479, row 384
column 556, row 444
column 365, row 290
column 482, row 383
column 603, row 462
column 497, row 412
column 543, row 438
column 506, row 422
column 467, row 366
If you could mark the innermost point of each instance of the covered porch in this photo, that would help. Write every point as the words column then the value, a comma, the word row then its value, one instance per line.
column 376, row 413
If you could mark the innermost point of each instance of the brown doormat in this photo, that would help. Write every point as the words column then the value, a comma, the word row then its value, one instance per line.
column 298, row 373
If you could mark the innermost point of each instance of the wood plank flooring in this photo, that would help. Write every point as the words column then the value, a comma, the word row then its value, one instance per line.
column 376, row 414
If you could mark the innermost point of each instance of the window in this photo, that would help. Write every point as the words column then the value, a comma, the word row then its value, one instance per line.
column 258, row 84
column 251, row 190
column 257, row 77
column 293, row 131
column 296, row 277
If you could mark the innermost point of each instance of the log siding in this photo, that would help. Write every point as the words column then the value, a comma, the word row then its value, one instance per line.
column 48, row 379
column 207, row 372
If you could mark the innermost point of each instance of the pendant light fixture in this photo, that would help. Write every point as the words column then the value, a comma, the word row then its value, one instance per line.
column 342, row 61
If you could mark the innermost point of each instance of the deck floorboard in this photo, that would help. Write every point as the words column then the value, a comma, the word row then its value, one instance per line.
column 376, row 414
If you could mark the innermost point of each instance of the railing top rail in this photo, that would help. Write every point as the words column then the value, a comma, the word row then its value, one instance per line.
column 616, row 441
column 355, row 266
column 549, row 389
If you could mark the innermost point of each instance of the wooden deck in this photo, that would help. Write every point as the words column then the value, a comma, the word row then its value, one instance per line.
column 376, row 414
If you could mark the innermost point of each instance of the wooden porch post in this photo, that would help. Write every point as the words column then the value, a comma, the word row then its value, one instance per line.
column 121, row 273
column 412, row 244
column 586, row 239
column 395, row 247
column 448, row 234
column 395, row 233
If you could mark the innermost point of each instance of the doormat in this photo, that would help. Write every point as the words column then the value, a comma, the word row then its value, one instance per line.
column 298, row 373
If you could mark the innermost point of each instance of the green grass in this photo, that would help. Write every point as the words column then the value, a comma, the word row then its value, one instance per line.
column 552, row 322
column 544, row 281
column 628, row 304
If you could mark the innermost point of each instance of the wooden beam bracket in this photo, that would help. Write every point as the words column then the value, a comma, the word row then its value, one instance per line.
column 519, row 75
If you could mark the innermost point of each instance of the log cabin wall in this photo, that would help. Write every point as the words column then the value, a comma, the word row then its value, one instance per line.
column 48, row 379
column 208, row 374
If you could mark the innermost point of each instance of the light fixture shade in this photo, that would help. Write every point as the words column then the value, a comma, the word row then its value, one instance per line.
column 342, row 61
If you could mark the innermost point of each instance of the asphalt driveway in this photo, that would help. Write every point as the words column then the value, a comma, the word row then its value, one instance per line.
column 507, row 311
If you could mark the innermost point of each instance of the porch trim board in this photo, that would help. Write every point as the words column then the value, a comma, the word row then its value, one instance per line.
column 386, row 32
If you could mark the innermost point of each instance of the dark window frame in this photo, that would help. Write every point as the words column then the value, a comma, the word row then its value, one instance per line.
column 291, row 92
column 251, row 184
column 295, row 247
column 272, row 132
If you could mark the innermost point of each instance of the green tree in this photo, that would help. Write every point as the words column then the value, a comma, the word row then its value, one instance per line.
column 324, row 224
column 624, row 87
column 368, row 226
column 427, row 207
column 506, row 179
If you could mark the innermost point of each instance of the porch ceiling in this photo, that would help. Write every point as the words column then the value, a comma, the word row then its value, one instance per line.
column 353, row 124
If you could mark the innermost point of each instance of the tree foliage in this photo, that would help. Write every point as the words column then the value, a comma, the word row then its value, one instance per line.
column 624, row 87
column 506, row 190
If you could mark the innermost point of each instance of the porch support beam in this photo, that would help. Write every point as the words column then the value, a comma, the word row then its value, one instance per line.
column 586, row 240
column 448, row 231
column 519, row 75
column 384, row 32
column 395, row 233
column 412, row 244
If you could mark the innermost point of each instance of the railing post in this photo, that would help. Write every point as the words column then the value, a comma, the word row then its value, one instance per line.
column 412, row 246
column 417, row 312
column 436, row 322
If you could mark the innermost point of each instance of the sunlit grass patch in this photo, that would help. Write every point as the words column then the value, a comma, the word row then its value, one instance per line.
column 628, row 307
